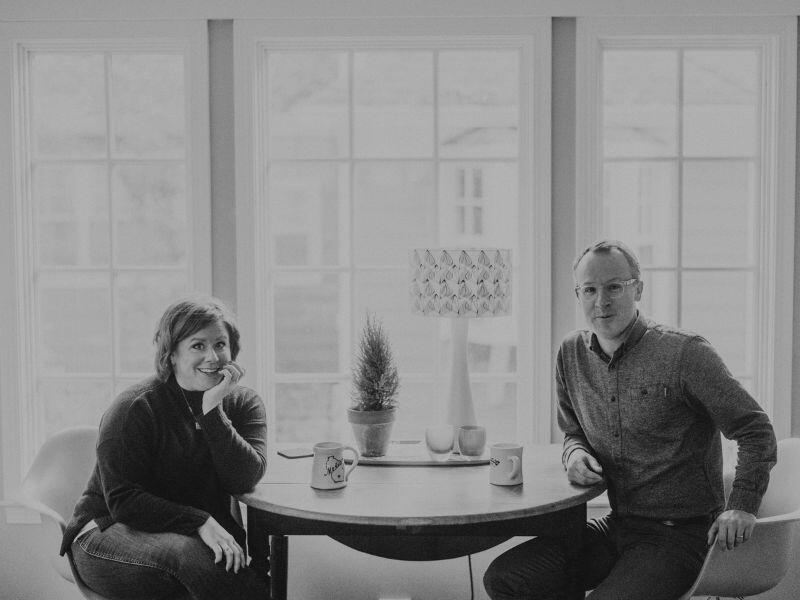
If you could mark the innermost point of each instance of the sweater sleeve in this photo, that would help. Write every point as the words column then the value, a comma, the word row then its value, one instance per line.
column 709, row 385
column 126, row 451
column 574, row 436
column 236, row 432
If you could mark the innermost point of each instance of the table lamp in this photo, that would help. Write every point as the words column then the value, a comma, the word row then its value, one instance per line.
column 462, row 284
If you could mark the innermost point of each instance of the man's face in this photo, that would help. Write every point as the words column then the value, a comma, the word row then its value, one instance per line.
column 608, row 317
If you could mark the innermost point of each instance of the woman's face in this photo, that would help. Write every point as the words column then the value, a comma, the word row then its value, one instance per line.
column 198, row 358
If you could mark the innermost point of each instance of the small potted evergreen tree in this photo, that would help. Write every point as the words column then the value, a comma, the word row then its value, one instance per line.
column 374, row 392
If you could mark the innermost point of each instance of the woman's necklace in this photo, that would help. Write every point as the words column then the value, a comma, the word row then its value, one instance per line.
column 189, row 408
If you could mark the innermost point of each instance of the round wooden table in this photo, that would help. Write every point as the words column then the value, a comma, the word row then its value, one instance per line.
column 414, row 512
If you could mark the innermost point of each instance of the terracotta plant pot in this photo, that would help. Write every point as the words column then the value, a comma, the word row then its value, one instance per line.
column 372, row 430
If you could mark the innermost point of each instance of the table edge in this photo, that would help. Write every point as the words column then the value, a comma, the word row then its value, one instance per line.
column 584, row 495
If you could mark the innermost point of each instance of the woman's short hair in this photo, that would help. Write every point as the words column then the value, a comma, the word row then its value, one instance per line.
column 185, row 317
column 605, row 247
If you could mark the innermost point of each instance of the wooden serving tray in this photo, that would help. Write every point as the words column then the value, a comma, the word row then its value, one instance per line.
column 414, row 453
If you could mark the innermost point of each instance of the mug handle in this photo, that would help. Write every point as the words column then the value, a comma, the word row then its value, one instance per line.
column 355, row 461
column 516, row 465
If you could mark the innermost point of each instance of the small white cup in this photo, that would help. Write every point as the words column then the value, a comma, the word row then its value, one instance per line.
column 471, row 440
column 439, row 439
column 505, row 464
column 328, row 470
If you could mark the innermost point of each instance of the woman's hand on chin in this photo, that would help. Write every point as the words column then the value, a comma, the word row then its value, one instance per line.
column 230, row 374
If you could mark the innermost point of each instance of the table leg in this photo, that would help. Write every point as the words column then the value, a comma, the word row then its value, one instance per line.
column 279, row 562
column 574, row 530
column 258, row 544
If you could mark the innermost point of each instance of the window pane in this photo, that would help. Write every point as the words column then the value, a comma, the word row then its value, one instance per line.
column 307, row 212
column 640, row 102
column 72, row 214
column 713, row 189
column 308, row 319
column 659, row 297
column 311, row 411
column 719, row 305
column 478, row 103
column 640, row 207
column 497, row 195
column 492, row 345
column 74, row 323
column 341, row 220
column 413, row 338
column 721, row 97
column 68, row 105
column 308, row 104
column 141, row 298
column 395, row 209
column 71, row 403
column 496, row 409
column 150, row 214
column 148, row 105
column 419, row 404
column 393, row 104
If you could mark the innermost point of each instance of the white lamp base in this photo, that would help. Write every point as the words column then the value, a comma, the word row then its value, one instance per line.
column 460, row 409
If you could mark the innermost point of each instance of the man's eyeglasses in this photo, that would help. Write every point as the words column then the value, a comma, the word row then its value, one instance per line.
column 615, row 289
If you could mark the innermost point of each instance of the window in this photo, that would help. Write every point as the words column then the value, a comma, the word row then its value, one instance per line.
column 364, row 148
column 110, row 213
column 690, row 160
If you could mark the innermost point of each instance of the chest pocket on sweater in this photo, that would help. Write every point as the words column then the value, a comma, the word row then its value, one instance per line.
column 653, row 409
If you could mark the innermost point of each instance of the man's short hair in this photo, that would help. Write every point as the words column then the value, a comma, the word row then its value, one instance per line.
column 605, row 247
column 186, row 317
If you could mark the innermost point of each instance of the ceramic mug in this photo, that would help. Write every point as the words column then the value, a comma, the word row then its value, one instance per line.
column 505, row 464
column 471, row 440
column 328, row 469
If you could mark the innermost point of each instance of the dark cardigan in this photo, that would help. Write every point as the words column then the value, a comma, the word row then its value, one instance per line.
column 157, row 472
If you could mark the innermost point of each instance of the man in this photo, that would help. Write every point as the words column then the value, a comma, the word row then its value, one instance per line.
column 641, row 406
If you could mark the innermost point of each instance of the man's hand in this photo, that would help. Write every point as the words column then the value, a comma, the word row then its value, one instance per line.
column 583, row 469
column 732, row 528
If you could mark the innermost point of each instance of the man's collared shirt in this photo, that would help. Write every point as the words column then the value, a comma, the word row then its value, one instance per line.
column 652, row 413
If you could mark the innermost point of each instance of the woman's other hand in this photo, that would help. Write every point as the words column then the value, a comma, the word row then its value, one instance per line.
column 222, row 544
column 230, row 374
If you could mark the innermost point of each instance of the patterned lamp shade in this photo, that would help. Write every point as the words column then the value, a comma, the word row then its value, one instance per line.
column 460, row 282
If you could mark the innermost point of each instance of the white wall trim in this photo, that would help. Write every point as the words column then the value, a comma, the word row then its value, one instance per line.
column 22, row 427
column 251, row 38
column 21, row 10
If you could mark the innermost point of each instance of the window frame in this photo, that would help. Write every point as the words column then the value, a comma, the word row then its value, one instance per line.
column 255, row 312
column 777, row 39
column 21, row 430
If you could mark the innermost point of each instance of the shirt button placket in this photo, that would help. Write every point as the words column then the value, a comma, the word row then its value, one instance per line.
column 616, row 420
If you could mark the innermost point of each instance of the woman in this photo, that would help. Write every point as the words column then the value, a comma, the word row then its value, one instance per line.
column 155, row 519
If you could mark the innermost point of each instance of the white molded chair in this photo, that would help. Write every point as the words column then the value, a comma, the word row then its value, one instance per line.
column 54, row 483
column 761, row 563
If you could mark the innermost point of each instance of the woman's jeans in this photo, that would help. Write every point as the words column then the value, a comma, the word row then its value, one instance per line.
column 123, row 563
column 628, row 558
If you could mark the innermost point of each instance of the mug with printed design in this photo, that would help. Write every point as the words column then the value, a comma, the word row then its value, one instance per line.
column 328, row 468
column 505, row 464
